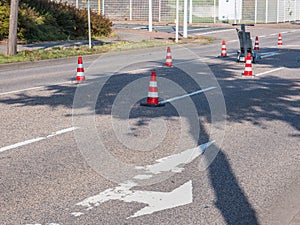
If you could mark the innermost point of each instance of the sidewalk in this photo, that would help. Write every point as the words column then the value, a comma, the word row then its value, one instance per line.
column 122, row 34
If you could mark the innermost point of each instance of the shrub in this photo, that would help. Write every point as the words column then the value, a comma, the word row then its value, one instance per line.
column 4, row 19
column 44, row 20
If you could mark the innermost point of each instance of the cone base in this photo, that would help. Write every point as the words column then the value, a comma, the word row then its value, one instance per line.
column 247, row 76
column 152, row 105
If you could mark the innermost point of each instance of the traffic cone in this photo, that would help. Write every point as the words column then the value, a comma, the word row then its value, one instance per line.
column 248, row 66
column 80, row 70
column 169, row 58
column 256, row 44
column 152, row 99
column 223, row 52
column 279, row 39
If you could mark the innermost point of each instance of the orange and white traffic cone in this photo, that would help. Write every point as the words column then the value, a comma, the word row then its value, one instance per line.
column 152, row 99
column 169, row 58
column 279, row 39
column 223, row 52
column 256, row 44
column 248, row 66
column 80, row 70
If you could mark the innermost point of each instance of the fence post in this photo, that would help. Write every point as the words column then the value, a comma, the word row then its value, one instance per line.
column 267, row 9
column 255, row 12
column 150, row 16
column 214, row 11
column 295, row 7
column 177, row 20
column 277, row 13
column 130, row 10
column 191, row 12
column 159, row 10
column 284, row 19
column 185, row 8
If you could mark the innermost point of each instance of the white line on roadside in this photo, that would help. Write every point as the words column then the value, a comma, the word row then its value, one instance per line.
column 269, row 54
column 33, row 88
column 27, row 142
column 187, row 95
column 270, row 71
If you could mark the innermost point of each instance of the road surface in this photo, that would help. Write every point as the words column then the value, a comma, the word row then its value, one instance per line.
column 90, row 154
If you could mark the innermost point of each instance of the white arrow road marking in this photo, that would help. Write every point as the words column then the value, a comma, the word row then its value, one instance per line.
column 171, row 163
column 156, row 201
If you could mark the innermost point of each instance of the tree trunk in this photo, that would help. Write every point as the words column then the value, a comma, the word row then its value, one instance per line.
column 13, row 25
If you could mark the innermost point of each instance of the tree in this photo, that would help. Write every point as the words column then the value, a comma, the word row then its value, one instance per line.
column 13, row 26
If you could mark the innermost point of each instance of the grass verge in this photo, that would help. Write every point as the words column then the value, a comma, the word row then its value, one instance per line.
column 62, row 52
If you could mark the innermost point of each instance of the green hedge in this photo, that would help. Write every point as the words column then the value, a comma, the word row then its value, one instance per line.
column 43, row 20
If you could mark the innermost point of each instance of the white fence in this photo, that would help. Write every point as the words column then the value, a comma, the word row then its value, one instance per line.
column 207, row 11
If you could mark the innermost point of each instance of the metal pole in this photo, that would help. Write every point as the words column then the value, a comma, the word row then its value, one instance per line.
column 177, row 21
column 76, row 4
column 191, row 12
column 89, row 25
column 277, row 20
column 234, row 11
column 130, row 10
column 267, row 9
column 284, row 19
column 150, row 16
column 295, row 7
column 103, row 7
column 159, row 10
column 255, row 12
column 185, row 18
column 214, row 11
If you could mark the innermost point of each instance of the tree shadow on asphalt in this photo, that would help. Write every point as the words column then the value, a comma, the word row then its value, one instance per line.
column 270, row 98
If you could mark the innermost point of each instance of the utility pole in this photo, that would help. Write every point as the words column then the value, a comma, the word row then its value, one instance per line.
column 13, row 26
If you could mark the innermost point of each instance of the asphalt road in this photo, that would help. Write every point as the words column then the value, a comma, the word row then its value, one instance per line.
column 90, row 154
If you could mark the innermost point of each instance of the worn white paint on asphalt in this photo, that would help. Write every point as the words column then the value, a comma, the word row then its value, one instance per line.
column 27, row 142
column 270, row 71
column 33, row 88
column 155, row 201
column 268, row 54
column 187, row 95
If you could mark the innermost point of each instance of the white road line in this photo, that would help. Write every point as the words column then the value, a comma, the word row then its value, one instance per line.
column 270, row 71
column 33, row 88
column 27, row 142
column 262, row 36
column 291, row 45
column 269, row 54
column 187, row 95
